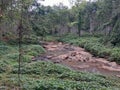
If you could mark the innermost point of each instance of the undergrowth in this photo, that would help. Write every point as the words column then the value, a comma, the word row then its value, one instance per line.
column 48, row 76
column 95, row 46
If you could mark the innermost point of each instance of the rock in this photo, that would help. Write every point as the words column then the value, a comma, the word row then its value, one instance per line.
column 110, row 68
column 118, row 76
column 54, row 46
column 83, row 66
column 34, row 59
column 45, row 46
column 112, row 64
column 74, row 59
column 87, row 58
column 65, row 56
column 101, row 60
column 57, row 61
column 49, row 57
column 73, row 54
column 82, row 58
column 78, row 49
column 60, row 43
column 43, row 43
column 52, row 49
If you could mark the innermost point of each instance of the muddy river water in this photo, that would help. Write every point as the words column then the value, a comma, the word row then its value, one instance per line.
column 78, row 59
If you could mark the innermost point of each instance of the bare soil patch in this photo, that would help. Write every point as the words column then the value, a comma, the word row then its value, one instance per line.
column 78, row 59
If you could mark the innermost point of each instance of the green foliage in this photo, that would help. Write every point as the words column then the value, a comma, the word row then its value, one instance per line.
column 47, row 75
column 50, row 38
column 67, row 37
column 12, row 58
column 79, row 23
column 3, row 67
column 115, row 39
column 115, row 55
column 95, row 46
column 41, row 21
column 4, row 49
column 60, row 77
column 9, row 53
column 33, row 50
column 31, row 39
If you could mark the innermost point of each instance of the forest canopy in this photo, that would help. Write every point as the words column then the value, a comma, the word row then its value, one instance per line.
column 92, row 17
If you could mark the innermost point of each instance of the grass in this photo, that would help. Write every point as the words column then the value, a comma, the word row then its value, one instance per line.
column 95, row 46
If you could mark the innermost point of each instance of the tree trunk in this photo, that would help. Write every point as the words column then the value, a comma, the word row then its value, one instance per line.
column 91, row 25
column 69, row 29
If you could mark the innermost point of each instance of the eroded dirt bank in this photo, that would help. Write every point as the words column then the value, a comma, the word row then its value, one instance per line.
column 78, row 59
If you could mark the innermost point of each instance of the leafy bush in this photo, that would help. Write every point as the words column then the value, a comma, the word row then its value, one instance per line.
column 50, row 38
column 3, row 66
column 13, row 56
column 4, row 49
column 30, row 39
column 67, row 38
column 33, row 50
column 33, row 53
column 10, row 54
column 115, row 55
column 26, row 58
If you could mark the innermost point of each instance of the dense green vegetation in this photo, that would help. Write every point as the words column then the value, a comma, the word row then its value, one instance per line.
column 42, row 75
column 45, row 75
column 93, row 25
column 9, row 54
column 95, row 45
column 97, row 17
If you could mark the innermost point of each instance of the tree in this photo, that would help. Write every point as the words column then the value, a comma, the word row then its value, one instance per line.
column 79, row 23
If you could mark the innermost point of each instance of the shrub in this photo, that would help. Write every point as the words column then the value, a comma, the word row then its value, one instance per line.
column 115, row 55
column 50, row 38
column 30, row 40
column 33, row 50
column 4, row 49
column 27, row 58
column 13, row 56
column 3, row 67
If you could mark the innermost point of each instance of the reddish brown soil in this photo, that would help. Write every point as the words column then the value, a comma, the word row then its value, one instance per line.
column 78, row 59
